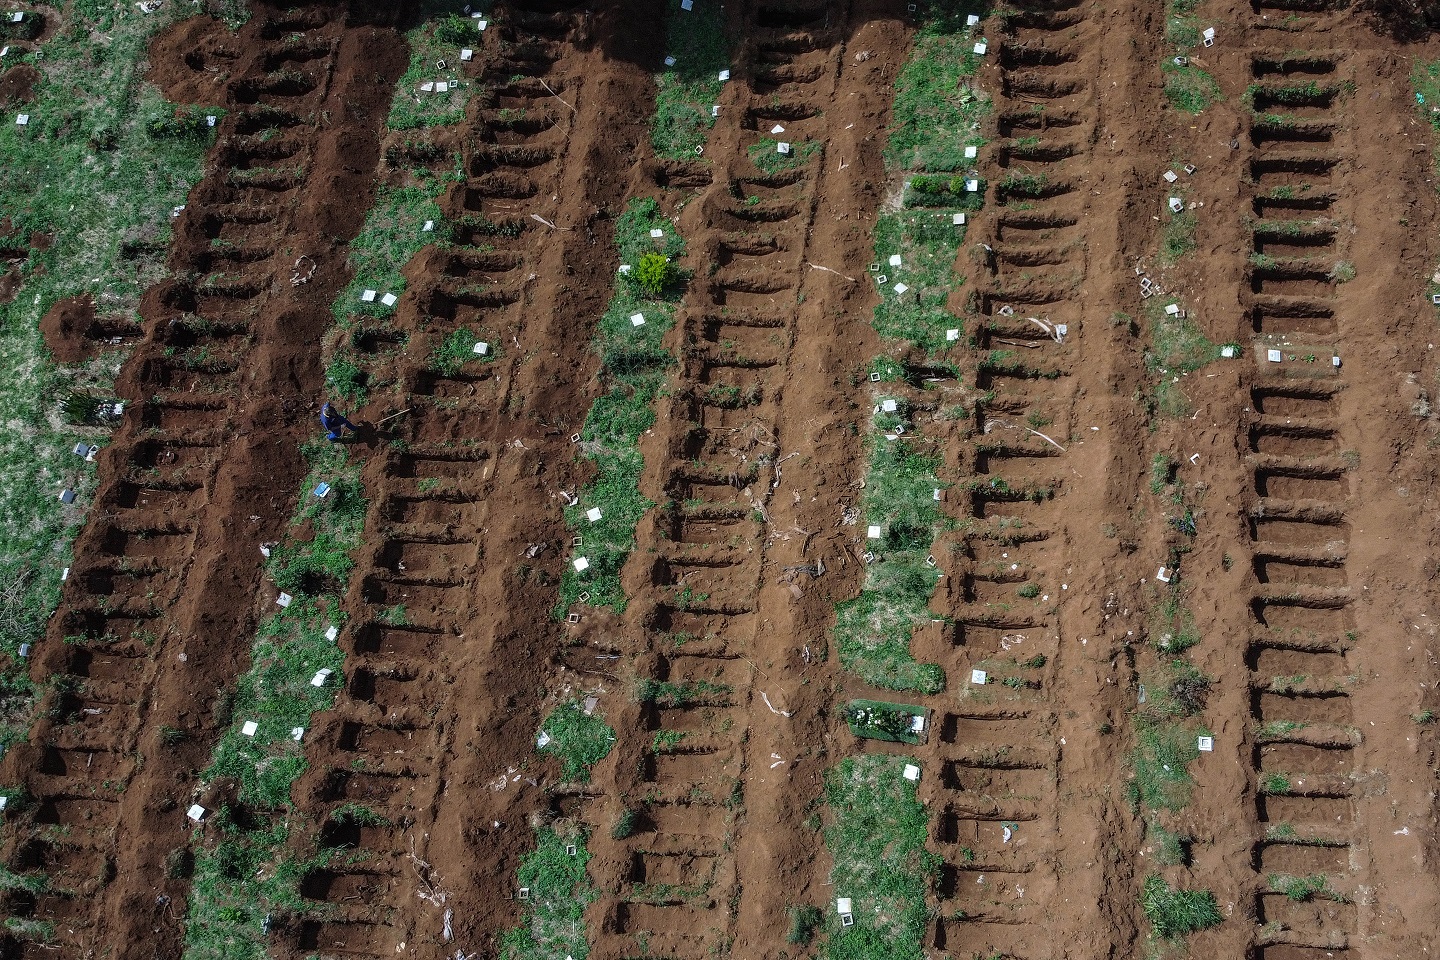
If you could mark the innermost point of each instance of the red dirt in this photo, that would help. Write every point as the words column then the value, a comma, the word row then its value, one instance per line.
column 68, row 328
column 16, row 85
column 166, row 578
column 1309, row 488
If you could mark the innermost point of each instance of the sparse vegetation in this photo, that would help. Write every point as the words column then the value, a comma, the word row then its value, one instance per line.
column 687, row 89
column 577, row 739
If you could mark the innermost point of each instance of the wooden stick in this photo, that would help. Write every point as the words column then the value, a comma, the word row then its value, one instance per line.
column 394, row 415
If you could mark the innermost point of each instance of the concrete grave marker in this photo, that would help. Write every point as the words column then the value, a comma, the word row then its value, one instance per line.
column 284, row 599
column 938, row 494
column 466, row 55
column 843, row 907
column 1163, row 575
column 368, row 296
column 972, row 20
column 196, row 812
column 320, row 677
column 428, row 86
column 656, row 233
column 971, row 152
column 777, row 129
column 593, row 514
column 249, row 727
column 958, row 219
column 581, row 564
column 894, row 259
column 332, row 633
column 978, row 677
column 442, row 87
column 952, row 334
column 1172, row 309
column 911, row 772
column 873, row 532
column 1176, row 205
column 901, row 288
column 1227, row 352
column 1171, row 176
column 297, row 734
column 782, row 148
column 724, row 75
column 972, row 186
column 1209, row 35
column 980, row 48
column 1205, row 744
column 889, row 406
column 1274, row 356
column 637, row 319
column 23, row 120
column 389, row 299
column 480, row 349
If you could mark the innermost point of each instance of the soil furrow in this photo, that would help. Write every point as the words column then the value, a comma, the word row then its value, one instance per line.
column 167, row 574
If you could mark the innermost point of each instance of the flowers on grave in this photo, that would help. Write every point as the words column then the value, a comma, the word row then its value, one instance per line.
column 891, row 721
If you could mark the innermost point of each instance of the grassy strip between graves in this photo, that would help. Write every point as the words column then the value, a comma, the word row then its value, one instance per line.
column 441, row 35
column 1178, row 347
column 1425, row 79
column 687, row 89
column 552, row 876
column 1167, row 724
column 94, row 174
column 936, row 117
column 876, row 836
column 633, row 363
column 1187, row 86
column 241, row 874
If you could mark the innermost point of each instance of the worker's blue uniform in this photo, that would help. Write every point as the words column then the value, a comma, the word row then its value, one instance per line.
column 333, row 421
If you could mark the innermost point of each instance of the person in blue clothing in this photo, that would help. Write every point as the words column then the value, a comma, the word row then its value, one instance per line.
column 334, row 422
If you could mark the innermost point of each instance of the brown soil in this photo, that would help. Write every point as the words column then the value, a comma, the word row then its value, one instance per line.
column 70, row 329
column 1306, row 478
column 16, row 85
column 167, row 574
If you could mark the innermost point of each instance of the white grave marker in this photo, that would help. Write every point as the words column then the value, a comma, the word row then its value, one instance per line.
column 389, row 299
column 911, row 772
column 637, row 319
column 593, row 514
column 284, row 599
column 1274, row 356
column 320, row 677
column 901, row 288
column 581, row 564
column 952, row 334
column 1205, row 744
column 873, row 532
column 978, row 677
column 480, row 349
column 249, row 727
column 782, row 148
column 368, row 296
column 980, row 48
column 196, row 812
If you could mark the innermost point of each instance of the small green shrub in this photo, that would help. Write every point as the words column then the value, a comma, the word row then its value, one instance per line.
column 1176, row 913
column 655, row 273
column 803, row 923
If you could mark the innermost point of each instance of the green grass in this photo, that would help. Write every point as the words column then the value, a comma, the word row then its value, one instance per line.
column 880, row 720
column 634, row 363
column 766, row 154
column 1189, row 88
column 1178, row 237
column 682, row 694
column 457, row 350
column 577, row 740
column 1171, row 848
column 98, row 170
column 1178, row 346
column 934, row 107
column 877, row 838
column 1425, row 80
column 927, row 242
column 686, row 91
column 243, row 870
column 1301, row 889
column 391, row 236
column 872, row 631
column 1173, row 913
column 430, row 42
column 560, row 890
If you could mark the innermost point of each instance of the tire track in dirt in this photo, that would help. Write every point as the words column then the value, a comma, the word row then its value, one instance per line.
column 436, row 715
column 167, row 571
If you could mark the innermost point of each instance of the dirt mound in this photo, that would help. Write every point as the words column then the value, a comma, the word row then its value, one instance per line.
column 17, row 83
column 70, row 329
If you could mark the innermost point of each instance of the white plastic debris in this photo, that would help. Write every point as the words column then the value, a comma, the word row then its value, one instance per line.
column 669, row 61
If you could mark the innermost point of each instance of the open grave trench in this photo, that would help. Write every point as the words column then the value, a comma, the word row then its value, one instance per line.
column 138, row 618
column 443, row 639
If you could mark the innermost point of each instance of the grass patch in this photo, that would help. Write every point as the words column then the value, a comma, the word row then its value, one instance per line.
column 685, row 92
column 1177, row 346
column 879, row 720
column 767, row 157
column 1178, row 237
column 927, row 242
column 872, row 631
column 1171, row 848
column 1174, row 914
column 242, row 870
column 431, row 42
column 559, row 892
column 877, row 839
column 1187, row 86
column 578, row 740
column 98, row 169
column 634, row 363
column 934, row 106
